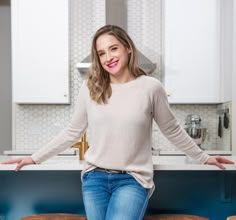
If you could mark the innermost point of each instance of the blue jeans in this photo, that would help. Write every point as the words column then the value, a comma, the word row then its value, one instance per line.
column 109, row 196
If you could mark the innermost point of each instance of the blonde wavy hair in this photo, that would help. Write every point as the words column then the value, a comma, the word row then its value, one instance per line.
column 98, row 79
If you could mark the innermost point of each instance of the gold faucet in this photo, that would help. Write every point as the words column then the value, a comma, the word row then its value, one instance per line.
column 82, row 145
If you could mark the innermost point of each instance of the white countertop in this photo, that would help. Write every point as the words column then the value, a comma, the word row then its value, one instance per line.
column 159, row 162
column 180, row 153
column 68, row 152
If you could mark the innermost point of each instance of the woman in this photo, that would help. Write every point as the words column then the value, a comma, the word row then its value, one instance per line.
column 118, row 103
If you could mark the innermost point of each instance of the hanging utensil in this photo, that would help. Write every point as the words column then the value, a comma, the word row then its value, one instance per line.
column 226, row 120
column 220, row 127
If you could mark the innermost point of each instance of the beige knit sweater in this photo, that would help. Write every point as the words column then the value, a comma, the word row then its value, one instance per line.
column 121, row 130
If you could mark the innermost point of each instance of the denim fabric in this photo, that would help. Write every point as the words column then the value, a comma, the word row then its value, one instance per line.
column 109, row 196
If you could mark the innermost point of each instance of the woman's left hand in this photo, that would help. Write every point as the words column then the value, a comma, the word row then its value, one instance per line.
column 218, row 161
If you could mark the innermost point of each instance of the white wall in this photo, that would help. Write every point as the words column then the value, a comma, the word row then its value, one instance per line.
column 5, row 77
column 233, row 84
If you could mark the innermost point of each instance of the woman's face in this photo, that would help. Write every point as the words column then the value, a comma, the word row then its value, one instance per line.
column 114, row 57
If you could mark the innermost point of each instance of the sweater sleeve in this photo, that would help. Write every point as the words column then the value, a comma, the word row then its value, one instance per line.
column 171, row 128
column 70, row 135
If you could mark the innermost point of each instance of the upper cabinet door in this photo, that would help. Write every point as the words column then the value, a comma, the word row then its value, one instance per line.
column 192, row 50
column 40, row 51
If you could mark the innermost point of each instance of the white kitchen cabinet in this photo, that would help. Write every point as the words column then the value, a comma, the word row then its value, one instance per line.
column 40, row 51
column 226, row 54
column 192, row 51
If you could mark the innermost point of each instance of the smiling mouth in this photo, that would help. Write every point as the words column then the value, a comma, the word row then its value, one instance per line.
column 113, row 64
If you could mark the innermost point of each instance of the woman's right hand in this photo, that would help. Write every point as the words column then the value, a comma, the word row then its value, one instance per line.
column 21, row 161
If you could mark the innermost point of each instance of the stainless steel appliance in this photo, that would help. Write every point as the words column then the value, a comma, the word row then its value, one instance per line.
column 195, row 130
column 116, row 13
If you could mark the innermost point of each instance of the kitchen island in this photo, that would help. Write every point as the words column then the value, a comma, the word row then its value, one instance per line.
column 182, row 186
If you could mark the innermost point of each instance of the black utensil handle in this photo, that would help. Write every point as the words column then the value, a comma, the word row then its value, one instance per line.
column 220, row 127
column 226, row 120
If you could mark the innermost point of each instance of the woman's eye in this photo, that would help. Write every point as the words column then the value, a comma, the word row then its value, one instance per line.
column 114, row 48
column 101, row 54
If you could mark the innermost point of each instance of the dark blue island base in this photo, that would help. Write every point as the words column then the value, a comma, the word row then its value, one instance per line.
column 207, row 193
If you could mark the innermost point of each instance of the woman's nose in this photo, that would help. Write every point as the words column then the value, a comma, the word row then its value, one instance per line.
column 109, row 57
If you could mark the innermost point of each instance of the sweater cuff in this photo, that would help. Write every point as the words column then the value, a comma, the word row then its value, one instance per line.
column 37, row 160
column 204, row 158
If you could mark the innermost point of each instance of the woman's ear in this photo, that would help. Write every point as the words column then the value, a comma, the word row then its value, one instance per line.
column 129, row 50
